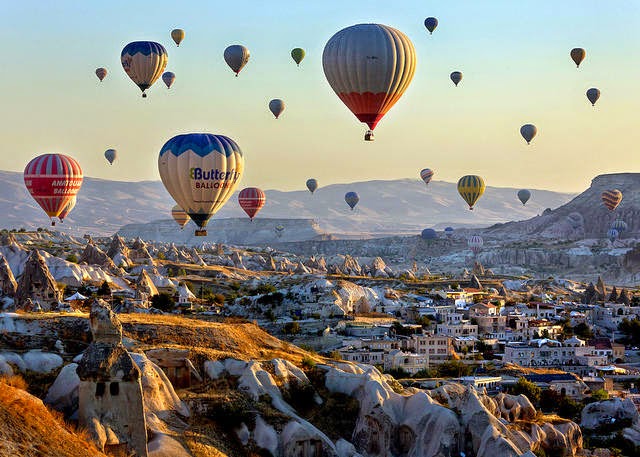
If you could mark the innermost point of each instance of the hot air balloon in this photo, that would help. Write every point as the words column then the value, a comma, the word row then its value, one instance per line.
column 369, row 66
column 576, row 220
column 619, row 225
column 200, row 171
column 168, row 78
column 448, row 231
column 297, row 54
column 236, row 57
column 475, row 243
column 528, row 132
column 352, row 199
column 578, row 55
column 312, row 184
column 612, row 234
column 524, row 195
column 429, row 234
column 456, row 77
column 67, row 209
column 177, row 35
column 251, row 200
column 110, row 155
column 611, row 198
column 276, row 106
column 431, row 23
column 144, row 62
column 471, row 188
column 278, row 229
column 426, row 175
column 101, row 73
column 180, row 216
column 53, row 180
column 593, row 95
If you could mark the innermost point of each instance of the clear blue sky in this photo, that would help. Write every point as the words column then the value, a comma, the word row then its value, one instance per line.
column 514, row 56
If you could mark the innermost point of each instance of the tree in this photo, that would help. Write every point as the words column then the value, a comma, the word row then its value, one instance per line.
column 163, row 301
column 528, row 389
column 590, row 294
column 453, row 368
column 583, row 331
column 624, row 298
column 72, row 258
column 104, row 289
column 291, row 328
column 613, row 297
column 599, row 395
column 631, row 330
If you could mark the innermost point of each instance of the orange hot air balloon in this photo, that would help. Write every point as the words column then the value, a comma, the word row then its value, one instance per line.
column 53, row 180
column 251, row 200
column 180, row 216
column 611, row 198
column 369, row 66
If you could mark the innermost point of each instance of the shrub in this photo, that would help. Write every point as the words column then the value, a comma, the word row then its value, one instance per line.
column 528, row 389
column 300, row 395
column 72, row 258
column 308, row 363
column 163, row 302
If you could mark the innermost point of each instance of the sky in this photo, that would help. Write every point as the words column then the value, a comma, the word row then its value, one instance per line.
column 514, row 56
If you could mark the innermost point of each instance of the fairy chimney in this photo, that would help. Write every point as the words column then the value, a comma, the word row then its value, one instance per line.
column 37, row 284
column 8, row 284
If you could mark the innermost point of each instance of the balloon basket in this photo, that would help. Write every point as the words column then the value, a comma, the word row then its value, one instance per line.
column 369, row 136
column 201, row 233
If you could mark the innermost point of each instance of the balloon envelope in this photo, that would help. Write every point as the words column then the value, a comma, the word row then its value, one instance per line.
column 53, row 180
column 578, row 55
column 471, row 188
column 528, row 132
column 101, row 73
column 619, row 225
column 110, row 155
column 297, row 54
column 369, row 66
column 352, row 199
column 236, row 57
column 200, row 171
column 429, row 234
column 168, row 78
column 276, row 106
column 593, row 95
column 431, row 23
column 278, row 229
column 67, row 209
column 144, row 62
column 611, row 198
column 448, row 231
column 177, row 35
column 251, row 200
column 524, row 195
column 180, row 216
column 456, row 77
column 312, row 184
column 426, row 175
column 612, row 234
column 475, row 243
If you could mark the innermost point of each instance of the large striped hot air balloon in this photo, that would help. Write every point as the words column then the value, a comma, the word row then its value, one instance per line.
column 144, row 62
column 180, row 216
column 475, row 243
column 67, row 209
column 312, row 184
column 251, row 200
column 53, row 180
column 611, row 198
column 369, row 66
column 352, row 199
column 471, row 188
column 426, row 175
column 201, row 172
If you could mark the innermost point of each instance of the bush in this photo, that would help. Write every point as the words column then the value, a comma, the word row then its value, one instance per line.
column 528, row 389
column 453, row 368
column 599, row 395
column 104, row 289
column 300, row 395
column 291, row 328
column 335, row 355
column 308, row 363
column 72, row 258
column 398, row 373
column 163, row 302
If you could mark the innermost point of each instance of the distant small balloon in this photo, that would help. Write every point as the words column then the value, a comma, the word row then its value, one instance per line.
column 448, row 231
column 177, row 35
column 619, row 225
column 110, row 155
column 429, row 234
column 578, row 55
column 101, row 73
column 251, row 200
column 528, row 132
column 471, row 188
column 297, row 54
column 276, row 106
column 279, row 229
column 456, row 77
column 593, row 95
column 431, row 23
column 524, row 195
column 352, row 199
column 612, row 234
column 168, row 78
column 236, row 56
column 180, row 216
column 611, row 198
column 475, row 243
column 312, row 184
column 426, row 175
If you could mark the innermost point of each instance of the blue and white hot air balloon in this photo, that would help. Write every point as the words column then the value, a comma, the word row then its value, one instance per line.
column 352, row 199
column 612, row 234
column 619, row 225
column 144, row 62
column 448, row 232
column 200, row 171
column 429, row 234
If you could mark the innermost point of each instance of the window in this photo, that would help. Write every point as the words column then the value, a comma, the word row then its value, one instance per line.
column 114, row 389
column 100, row 389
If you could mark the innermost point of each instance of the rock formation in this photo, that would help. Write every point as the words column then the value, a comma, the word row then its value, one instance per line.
column 8, row 284
column 475, row 283
column 37, row 284
column 119, row 252
column 110, row 393
column 145, row 287
column 93, row 255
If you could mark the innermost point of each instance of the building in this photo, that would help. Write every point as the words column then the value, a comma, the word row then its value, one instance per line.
column 439, row 348
column 552, row 353
column 564, row 383
column 407, row 361
column 491, row 383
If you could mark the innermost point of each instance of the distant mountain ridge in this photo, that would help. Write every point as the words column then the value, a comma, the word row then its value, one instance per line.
column 403, row 206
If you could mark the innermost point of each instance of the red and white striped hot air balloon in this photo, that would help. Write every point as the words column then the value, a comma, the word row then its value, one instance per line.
column 251, row 200
column 369, row 66
column 53, row 180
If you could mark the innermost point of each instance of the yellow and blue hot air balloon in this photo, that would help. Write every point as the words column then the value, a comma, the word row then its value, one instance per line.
column 201, row 171
column 297, row 54
column 471, row 188
column 144, row 62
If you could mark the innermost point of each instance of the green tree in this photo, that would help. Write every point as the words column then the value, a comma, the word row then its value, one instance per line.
column 453, row 369
column 163, row 301
column 72, row 258
column 631, row 330
column 528, row 389
column 583, row 331
column 599, row 395
column 104, row 289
